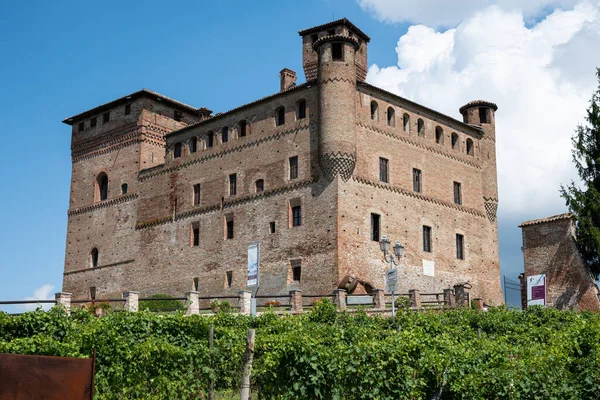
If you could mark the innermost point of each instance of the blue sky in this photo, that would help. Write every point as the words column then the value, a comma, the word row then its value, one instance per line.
column 61, row 58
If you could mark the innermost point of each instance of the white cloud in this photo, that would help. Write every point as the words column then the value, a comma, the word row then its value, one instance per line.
column 451, row 12
column 45, row 292
column 541, row 77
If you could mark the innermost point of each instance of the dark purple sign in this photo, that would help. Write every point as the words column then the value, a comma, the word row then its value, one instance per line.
column 538, row 293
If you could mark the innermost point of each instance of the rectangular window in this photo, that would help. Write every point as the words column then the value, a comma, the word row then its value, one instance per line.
column 209, row 140
column 427, row 239
column 272, row 227
column 383, row 170
column 177, row 115
column 337, row 52
column 242, row 128
column 225, row 135
column 106, row 117
column 229, row 278
column 196, row 194
column 375, row 227
column 232, row 184
column 195, row 234
column 296, row 216
column 293, row 167
column 127, row 109
column 229, row 226
column 460, row 254
column 93, row 293
column 81, row 126
column 296, row 270
column 417, row 180
column 93, row 122
column 196, row 284
column 260, row 185
column 457, row 193
column 482, row 115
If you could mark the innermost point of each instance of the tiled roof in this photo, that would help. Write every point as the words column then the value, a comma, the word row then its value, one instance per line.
column 128, row 98
column 547, row 219
column 478, row 103
column 342, row 21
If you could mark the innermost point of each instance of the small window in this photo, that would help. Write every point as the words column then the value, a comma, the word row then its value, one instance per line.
column 470, row 150
column 102, row 186
column 417, row 184
column 195, row 234
column 106, row 117
column 301, row 110
column 260, row 185
column 242, row 129
column 374, row 111
column 225, row 134
column 124, row 189
column 81, row 127
column 296, row 216
column 460, row 253
column 483, row 115
column 391, row 117
column 127, row 109
column 93, row 122
column 177, row 150
column 439, row 135
column 196, row 194
column 375, row 227
column 196, row 284
column 272, row 227
column 280, row 116
column 296, row 270
column 92, row 292
column 209, row 140
column 454, row 141
column 406, row 122
column 337, row 52
column 229, row 226
column 94, row 258
column 232, row 184
column 193, row 144
column 294, row 167
column 426, row 239
column 421, row 127
column 177, row 115
column 457, row 193
column 383, row 170
column 228, row 278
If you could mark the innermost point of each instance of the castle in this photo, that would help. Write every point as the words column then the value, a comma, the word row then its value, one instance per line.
column 166, row 197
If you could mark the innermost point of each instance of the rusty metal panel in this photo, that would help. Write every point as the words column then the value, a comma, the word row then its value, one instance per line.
column 42, row 377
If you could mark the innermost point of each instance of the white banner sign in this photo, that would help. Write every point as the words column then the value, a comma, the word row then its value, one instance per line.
column 391, row 280
column 536, row 290
column 253, row 263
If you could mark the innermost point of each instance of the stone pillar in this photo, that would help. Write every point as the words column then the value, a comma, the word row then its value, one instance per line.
column 415, row 298
column 245, row 301
column 296, row 301
column 523, row 291
column 63, row 299
column 460, row 296
column 449, row 297
column 193, row 304
column 379, row 299
column 131, row 301
column 340, row 299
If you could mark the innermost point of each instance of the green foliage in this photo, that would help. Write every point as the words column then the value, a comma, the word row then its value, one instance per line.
column 500, row 354
column 403, row 303
column 584, row 202
column 161, row 305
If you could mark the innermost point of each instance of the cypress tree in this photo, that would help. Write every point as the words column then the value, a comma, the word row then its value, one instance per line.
column 584, row 201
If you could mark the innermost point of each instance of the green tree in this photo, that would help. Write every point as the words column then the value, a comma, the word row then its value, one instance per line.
column 584, row 202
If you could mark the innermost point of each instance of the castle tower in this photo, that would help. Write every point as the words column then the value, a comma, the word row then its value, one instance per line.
column 482, row 113
column 336, row 55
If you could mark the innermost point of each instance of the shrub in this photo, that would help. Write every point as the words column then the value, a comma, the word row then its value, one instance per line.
column 168, row 304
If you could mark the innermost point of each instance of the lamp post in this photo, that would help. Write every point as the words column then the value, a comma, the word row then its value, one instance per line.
column 384, row 245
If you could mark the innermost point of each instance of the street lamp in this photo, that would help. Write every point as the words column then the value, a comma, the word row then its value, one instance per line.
column 384, row 245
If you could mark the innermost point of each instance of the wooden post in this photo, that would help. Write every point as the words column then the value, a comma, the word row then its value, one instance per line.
column 245, row 395
column 211, row 334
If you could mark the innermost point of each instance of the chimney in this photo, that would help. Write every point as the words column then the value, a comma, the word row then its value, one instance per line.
column 287, row 79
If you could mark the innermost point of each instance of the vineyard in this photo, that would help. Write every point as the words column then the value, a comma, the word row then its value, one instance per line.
column 323, row 354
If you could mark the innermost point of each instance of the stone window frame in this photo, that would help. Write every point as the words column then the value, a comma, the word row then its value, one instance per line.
column 455, row 141
column 193, row 144
column 228, row 226
column 406, row 122
column 391, row 117
column 421, row 127
column 243, row 122
column 279, row 116
column 384, row 170
column 195, row 234
column 94, row 258
column 224, row 134
column 295, row 205
column 196, row 194
column 439, row 135
column 374, row 108
column 177, row 150
column 301, row 109
column 375, row 224
column 460, row 246
column 470, row 147
column 101, row 187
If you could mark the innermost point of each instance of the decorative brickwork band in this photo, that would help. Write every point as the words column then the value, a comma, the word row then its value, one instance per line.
column 491, row 209
column 338, row 163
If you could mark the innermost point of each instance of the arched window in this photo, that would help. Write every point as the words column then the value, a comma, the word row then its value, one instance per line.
column 124, row 189
column 391, row 117
column 280, row 116
column 177, row 150
column 470, row 150
column 406, row 122
column 454, row 141
column 101, row 187
column 193, row 144
column 421, row 128
column 374, row 111
column 439, row 135
column 224, row 134
column 209, row 140
column 94, row 258
column 242, row 129
column 301, row 110
column 260, row 185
